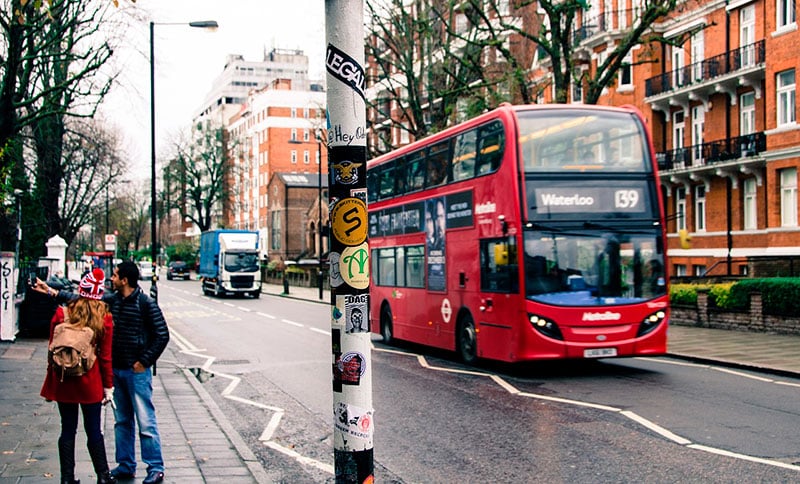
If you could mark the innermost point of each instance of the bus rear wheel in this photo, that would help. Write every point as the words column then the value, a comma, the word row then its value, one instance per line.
column 386, row 324
column 467, row 342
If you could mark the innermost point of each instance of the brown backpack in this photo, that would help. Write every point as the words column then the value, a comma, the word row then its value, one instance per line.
column 72, row 351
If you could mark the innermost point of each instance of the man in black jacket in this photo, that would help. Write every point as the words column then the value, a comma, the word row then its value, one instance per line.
column 140, row 336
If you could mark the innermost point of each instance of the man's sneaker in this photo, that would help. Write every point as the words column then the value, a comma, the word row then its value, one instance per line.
column 121, row 475
column 154, row 477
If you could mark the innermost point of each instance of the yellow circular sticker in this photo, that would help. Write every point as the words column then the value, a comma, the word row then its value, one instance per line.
column 349, row 221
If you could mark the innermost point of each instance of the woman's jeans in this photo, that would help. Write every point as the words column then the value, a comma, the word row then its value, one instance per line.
column 133, row 396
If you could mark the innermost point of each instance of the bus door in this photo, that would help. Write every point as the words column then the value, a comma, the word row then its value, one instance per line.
column 498, row 302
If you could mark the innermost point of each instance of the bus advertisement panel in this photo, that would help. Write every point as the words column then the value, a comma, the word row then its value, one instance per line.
column 530, row 232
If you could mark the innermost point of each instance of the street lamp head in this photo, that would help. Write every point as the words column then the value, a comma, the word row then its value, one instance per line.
column 205, row 24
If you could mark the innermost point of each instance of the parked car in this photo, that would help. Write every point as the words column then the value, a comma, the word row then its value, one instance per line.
column 145, row 270
column 178, row 270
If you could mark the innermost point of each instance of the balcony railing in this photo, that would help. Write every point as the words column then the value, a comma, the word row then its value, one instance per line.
column 705, row 154
column 602, row 23
column 747, row 56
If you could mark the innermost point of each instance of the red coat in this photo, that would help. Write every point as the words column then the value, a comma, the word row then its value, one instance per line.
column 89, row 387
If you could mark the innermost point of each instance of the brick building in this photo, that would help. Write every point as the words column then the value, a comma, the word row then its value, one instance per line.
column 293, row 211
column 278, row 130
column 723, row 121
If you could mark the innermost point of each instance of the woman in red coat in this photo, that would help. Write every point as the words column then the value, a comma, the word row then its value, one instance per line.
column 89, row 391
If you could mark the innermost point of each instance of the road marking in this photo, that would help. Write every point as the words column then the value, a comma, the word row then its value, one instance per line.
column 292, row 323
column 718, row 368
column 743, row 375
column 652, row 426
column 266, row 315
column 242, row 308
column 321, row 331
column 299, row 458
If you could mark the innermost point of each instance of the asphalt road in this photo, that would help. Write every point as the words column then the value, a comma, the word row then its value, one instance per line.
column 267, row 363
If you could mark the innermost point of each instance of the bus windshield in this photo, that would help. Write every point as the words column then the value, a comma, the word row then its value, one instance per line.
column 241, row 262
column 574, row 140
column 593, row 268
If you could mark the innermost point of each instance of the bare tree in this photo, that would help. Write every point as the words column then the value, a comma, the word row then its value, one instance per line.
column 196, row 177
column 52, row 70
column 91, row 165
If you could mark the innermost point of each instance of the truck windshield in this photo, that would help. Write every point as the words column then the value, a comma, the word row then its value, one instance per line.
column 241, row 262
column 593, row 268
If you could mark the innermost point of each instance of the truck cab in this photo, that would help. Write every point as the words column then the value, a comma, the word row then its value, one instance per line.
column 229, row 263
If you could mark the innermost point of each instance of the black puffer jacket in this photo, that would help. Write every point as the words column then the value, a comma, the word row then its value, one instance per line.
column 138, row 335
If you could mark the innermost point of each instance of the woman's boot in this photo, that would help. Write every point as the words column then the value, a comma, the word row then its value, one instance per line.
column 97, row 451
column 66, row 457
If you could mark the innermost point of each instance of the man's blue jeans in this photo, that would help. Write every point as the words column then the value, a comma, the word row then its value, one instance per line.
column 133, row 396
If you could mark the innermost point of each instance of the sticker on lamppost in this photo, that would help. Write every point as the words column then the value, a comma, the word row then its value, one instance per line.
column 335, row 275
column 349, row 221
column 354, row 266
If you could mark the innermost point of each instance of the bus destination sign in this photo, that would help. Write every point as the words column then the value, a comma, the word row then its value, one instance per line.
column 548, row 200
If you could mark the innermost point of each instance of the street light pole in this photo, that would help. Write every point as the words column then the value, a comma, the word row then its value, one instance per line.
column 319, row 221
column 203, row 24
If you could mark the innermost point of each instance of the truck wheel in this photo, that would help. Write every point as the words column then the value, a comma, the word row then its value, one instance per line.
column 256, row 294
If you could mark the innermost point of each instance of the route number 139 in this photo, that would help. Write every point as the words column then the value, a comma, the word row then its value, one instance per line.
column 626, row 198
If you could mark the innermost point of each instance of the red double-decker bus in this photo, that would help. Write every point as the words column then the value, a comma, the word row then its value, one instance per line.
column 527, row 233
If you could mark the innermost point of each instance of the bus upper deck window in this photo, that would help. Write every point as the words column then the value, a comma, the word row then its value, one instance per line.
column 464, row 155
column 438, row 158
column 491, row 148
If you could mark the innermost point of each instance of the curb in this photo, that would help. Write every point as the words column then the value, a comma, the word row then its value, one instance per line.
column 734, row 364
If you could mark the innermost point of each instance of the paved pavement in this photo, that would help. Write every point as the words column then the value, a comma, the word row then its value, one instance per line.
column 199, row 443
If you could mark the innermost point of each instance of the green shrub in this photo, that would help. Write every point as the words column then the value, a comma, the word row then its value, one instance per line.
column 720, row 295
column 685, row 294
column 779, row 295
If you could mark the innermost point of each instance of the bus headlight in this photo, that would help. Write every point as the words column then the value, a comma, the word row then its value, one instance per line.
column 651, row 322
column 545, row 326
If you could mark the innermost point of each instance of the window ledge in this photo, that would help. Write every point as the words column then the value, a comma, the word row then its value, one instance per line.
column 626, row 88
column 783, row 129
column 784, row 30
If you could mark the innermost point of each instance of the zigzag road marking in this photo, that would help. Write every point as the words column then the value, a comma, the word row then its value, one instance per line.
column 277, row 413
column 625, row 413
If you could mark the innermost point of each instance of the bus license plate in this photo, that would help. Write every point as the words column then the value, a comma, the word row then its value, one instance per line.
column 599, row 352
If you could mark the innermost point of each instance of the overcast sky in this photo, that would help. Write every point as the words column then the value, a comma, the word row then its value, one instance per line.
column 188, row 60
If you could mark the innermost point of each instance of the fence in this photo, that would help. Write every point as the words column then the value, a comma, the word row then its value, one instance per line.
column 754, row 320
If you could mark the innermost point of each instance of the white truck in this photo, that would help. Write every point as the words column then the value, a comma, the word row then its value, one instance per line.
column 229, row 263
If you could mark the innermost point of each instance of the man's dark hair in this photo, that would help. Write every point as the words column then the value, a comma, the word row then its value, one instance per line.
column 128, row 270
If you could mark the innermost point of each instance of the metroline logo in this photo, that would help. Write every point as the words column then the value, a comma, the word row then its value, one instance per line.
column 606, row 316
column 551, row 199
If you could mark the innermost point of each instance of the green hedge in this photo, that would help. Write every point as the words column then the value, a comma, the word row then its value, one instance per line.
column 780, row 295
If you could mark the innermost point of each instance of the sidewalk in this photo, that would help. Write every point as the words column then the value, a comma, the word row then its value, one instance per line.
column 199, row 443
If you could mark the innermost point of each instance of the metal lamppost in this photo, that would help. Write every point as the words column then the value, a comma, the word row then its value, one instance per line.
column 18, row 200
column 203, row 24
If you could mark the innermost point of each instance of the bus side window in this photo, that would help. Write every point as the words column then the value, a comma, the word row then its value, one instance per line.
column 400, row 176
column 415, row 171
column 372, row 186
column 464, row 156
column 491, row 148
column 386, row 189
column 438, row 158
column 499, row 270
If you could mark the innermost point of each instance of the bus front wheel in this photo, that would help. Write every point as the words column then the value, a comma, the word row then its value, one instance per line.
column 467, row 343
column 386, row 324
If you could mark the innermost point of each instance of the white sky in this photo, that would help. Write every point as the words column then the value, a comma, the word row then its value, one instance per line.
column 188, row 59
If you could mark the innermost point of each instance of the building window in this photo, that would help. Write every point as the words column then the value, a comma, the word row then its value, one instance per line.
column 577, row 90
column 275, row 232
column 785, row 12
column 294, row 112
column 680, row 270
column 750, row 218
column 747, row 35
column 680, row 208
column 305, row 113
column 317, row 157
column 747, row 116
column 293, row 136
column 699, row 270
column 306, row 135
column 786, row 89
column 306, row 157
column 789, row 197
column 626, row 72
column 294, row 156
column 700, row 208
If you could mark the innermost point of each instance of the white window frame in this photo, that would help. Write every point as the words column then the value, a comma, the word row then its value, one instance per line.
column 680, row 209
column 786, row 95
column 306, row 157
column 626, row 70
column 747, row 113
column 747, row 35
column 294, row 112
column 788, row 177
column 750, row 204
column 306, row 136
column 785, row 14
column 698, row 54
column 698, row 127
column 294, row 157
column 700, row 208
column 294, row 135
